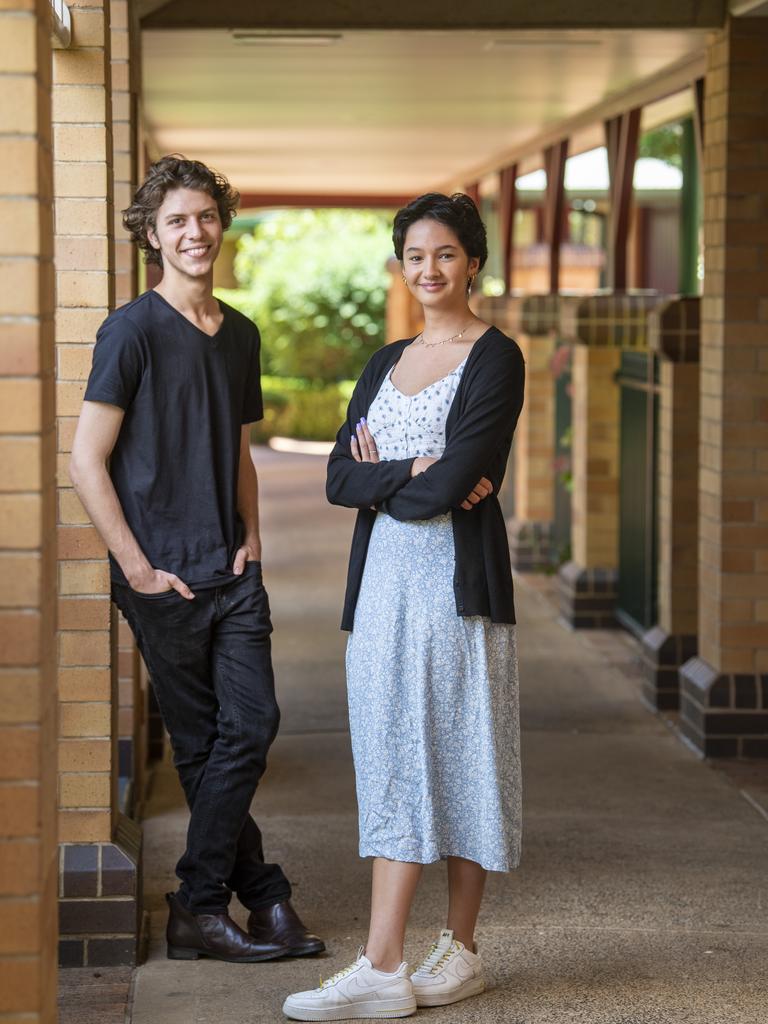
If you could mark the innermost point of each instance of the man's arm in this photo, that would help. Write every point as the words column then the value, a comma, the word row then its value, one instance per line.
column 97, row 431
column 247, row 504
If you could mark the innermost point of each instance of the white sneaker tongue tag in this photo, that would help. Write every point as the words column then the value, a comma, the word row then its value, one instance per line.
column 445, row 940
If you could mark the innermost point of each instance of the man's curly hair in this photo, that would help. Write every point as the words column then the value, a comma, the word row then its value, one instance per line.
column 168, row 173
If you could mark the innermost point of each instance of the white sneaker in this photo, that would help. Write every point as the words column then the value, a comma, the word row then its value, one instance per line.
column 449, row 973
column 358, row 991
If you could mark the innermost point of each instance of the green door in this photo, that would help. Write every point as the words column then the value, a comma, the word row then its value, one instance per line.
column 638, row 379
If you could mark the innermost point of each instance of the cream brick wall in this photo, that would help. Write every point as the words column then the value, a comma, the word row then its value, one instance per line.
column 126, row 85
column 733, row 479
column 28, row 705
column 82, row 113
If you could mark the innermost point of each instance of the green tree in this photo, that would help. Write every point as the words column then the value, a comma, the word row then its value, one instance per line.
column 315, row 283
column 663, row 143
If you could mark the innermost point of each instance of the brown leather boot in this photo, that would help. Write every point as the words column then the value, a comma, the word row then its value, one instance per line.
column 281, row 924
column 191, row 936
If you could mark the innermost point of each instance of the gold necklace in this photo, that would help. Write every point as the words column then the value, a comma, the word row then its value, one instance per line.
column 454, row 337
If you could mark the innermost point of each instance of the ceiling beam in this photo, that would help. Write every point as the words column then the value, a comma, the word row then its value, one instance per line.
column 255, row 200
column 749, row 8
column 507, row 207
column 436, row 14
column 554, row 207
column 145, row 8
column 621, row 134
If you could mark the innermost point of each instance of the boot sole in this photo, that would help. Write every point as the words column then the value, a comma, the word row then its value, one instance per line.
column 375, row 1009
column 468, row 989
column 317, row 947
column 184, row 953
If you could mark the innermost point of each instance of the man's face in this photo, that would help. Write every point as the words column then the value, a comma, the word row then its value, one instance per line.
column 187, row 232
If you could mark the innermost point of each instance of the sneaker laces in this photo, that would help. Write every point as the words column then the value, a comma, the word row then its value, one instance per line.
column 340, row 974
column 436, row 958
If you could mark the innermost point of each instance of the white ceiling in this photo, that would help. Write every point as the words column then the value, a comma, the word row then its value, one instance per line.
column 383, row 112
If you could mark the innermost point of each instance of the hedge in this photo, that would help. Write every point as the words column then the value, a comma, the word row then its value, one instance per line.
column 303, row 409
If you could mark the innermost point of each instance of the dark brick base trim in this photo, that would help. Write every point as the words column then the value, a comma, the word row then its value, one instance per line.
column 587, row 597
column 663, row 653
column 100, row 894
column 530, row 544
column 723, row 715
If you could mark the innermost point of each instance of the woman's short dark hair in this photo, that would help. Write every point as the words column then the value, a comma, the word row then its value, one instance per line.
column 166, row 174
column 458, row 212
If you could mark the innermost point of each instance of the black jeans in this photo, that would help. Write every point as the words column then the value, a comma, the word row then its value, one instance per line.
column 211, row 669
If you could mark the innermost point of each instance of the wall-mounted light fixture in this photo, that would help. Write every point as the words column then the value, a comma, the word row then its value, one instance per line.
column 245, row 37
column 61, row 25
column 522, row 41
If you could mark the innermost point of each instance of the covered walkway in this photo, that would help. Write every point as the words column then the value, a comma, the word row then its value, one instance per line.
column 640, row 898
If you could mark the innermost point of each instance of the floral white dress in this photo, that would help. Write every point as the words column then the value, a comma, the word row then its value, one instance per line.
column 433, row 696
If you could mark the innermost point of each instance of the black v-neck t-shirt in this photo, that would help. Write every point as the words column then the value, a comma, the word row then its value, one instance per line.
column 175, row 464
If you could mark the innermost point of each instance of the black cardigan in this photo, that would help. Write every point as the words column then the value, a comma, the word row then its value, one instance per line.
column 478, row 432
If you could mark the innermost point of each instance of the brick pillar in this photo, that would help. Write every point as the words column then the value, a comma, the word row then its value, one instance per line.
column 403, row 313
column 600, row 326
column 530, row 529
column 724, row 691
column 28, row 706
column 126, row 86
column 98, row 870
column 674, row 335
column 126, row 83
column 588, row 582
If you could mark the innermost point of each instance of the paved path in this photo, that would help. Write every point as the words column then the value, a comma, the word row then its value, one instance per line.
column 642, row 894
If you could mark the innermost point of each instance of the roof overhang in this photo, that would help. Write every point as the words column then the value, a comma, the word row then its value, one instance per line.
column 427, row 14
column 400, row 112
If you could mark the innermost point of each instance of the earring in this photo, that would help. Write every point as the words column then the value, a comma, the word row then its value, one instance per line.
column 470, row 282
column 404, row 279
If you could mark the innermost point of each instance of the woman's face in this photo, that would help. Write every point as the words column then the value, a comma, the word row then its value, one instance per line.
column 435, row 265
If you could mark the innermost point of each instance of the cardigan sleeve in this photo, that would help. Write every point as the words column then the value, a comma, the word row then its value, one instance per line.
column 361, row 484
column 488, row 421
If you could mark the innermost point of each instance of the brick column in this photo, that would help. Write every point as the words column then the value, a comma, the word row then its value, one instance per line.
column 403, row 313
column 126, row 87
column 724, row 691
column 674, row 335
column 600, row 326
column 98, row 885
column 530, row 529
column 28, row 707
column 126, row 84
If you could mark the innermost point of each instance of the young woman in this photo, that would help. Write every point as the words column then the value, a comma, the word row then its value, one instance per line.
column 431, row 660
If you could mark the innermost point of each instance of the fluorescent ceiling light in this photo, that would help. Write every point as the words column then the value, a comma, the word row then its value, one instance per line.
column 548, row 42
column 247, row 38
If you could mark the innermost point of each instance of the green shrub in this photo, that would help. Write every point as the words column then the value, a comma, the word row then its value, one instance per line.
column 303, row 409
column 315, row 282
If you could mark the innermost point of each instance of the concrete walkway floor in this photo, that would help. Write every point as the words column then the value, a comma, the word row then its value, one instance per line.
column 642, row 894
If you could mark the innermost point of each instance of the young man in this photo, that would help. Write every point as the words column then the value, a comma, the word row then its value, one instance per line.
column 173, row 389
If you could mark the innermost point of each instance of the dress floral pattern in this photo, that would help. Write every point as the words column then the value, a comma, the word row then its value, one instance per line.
column 433, row 696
